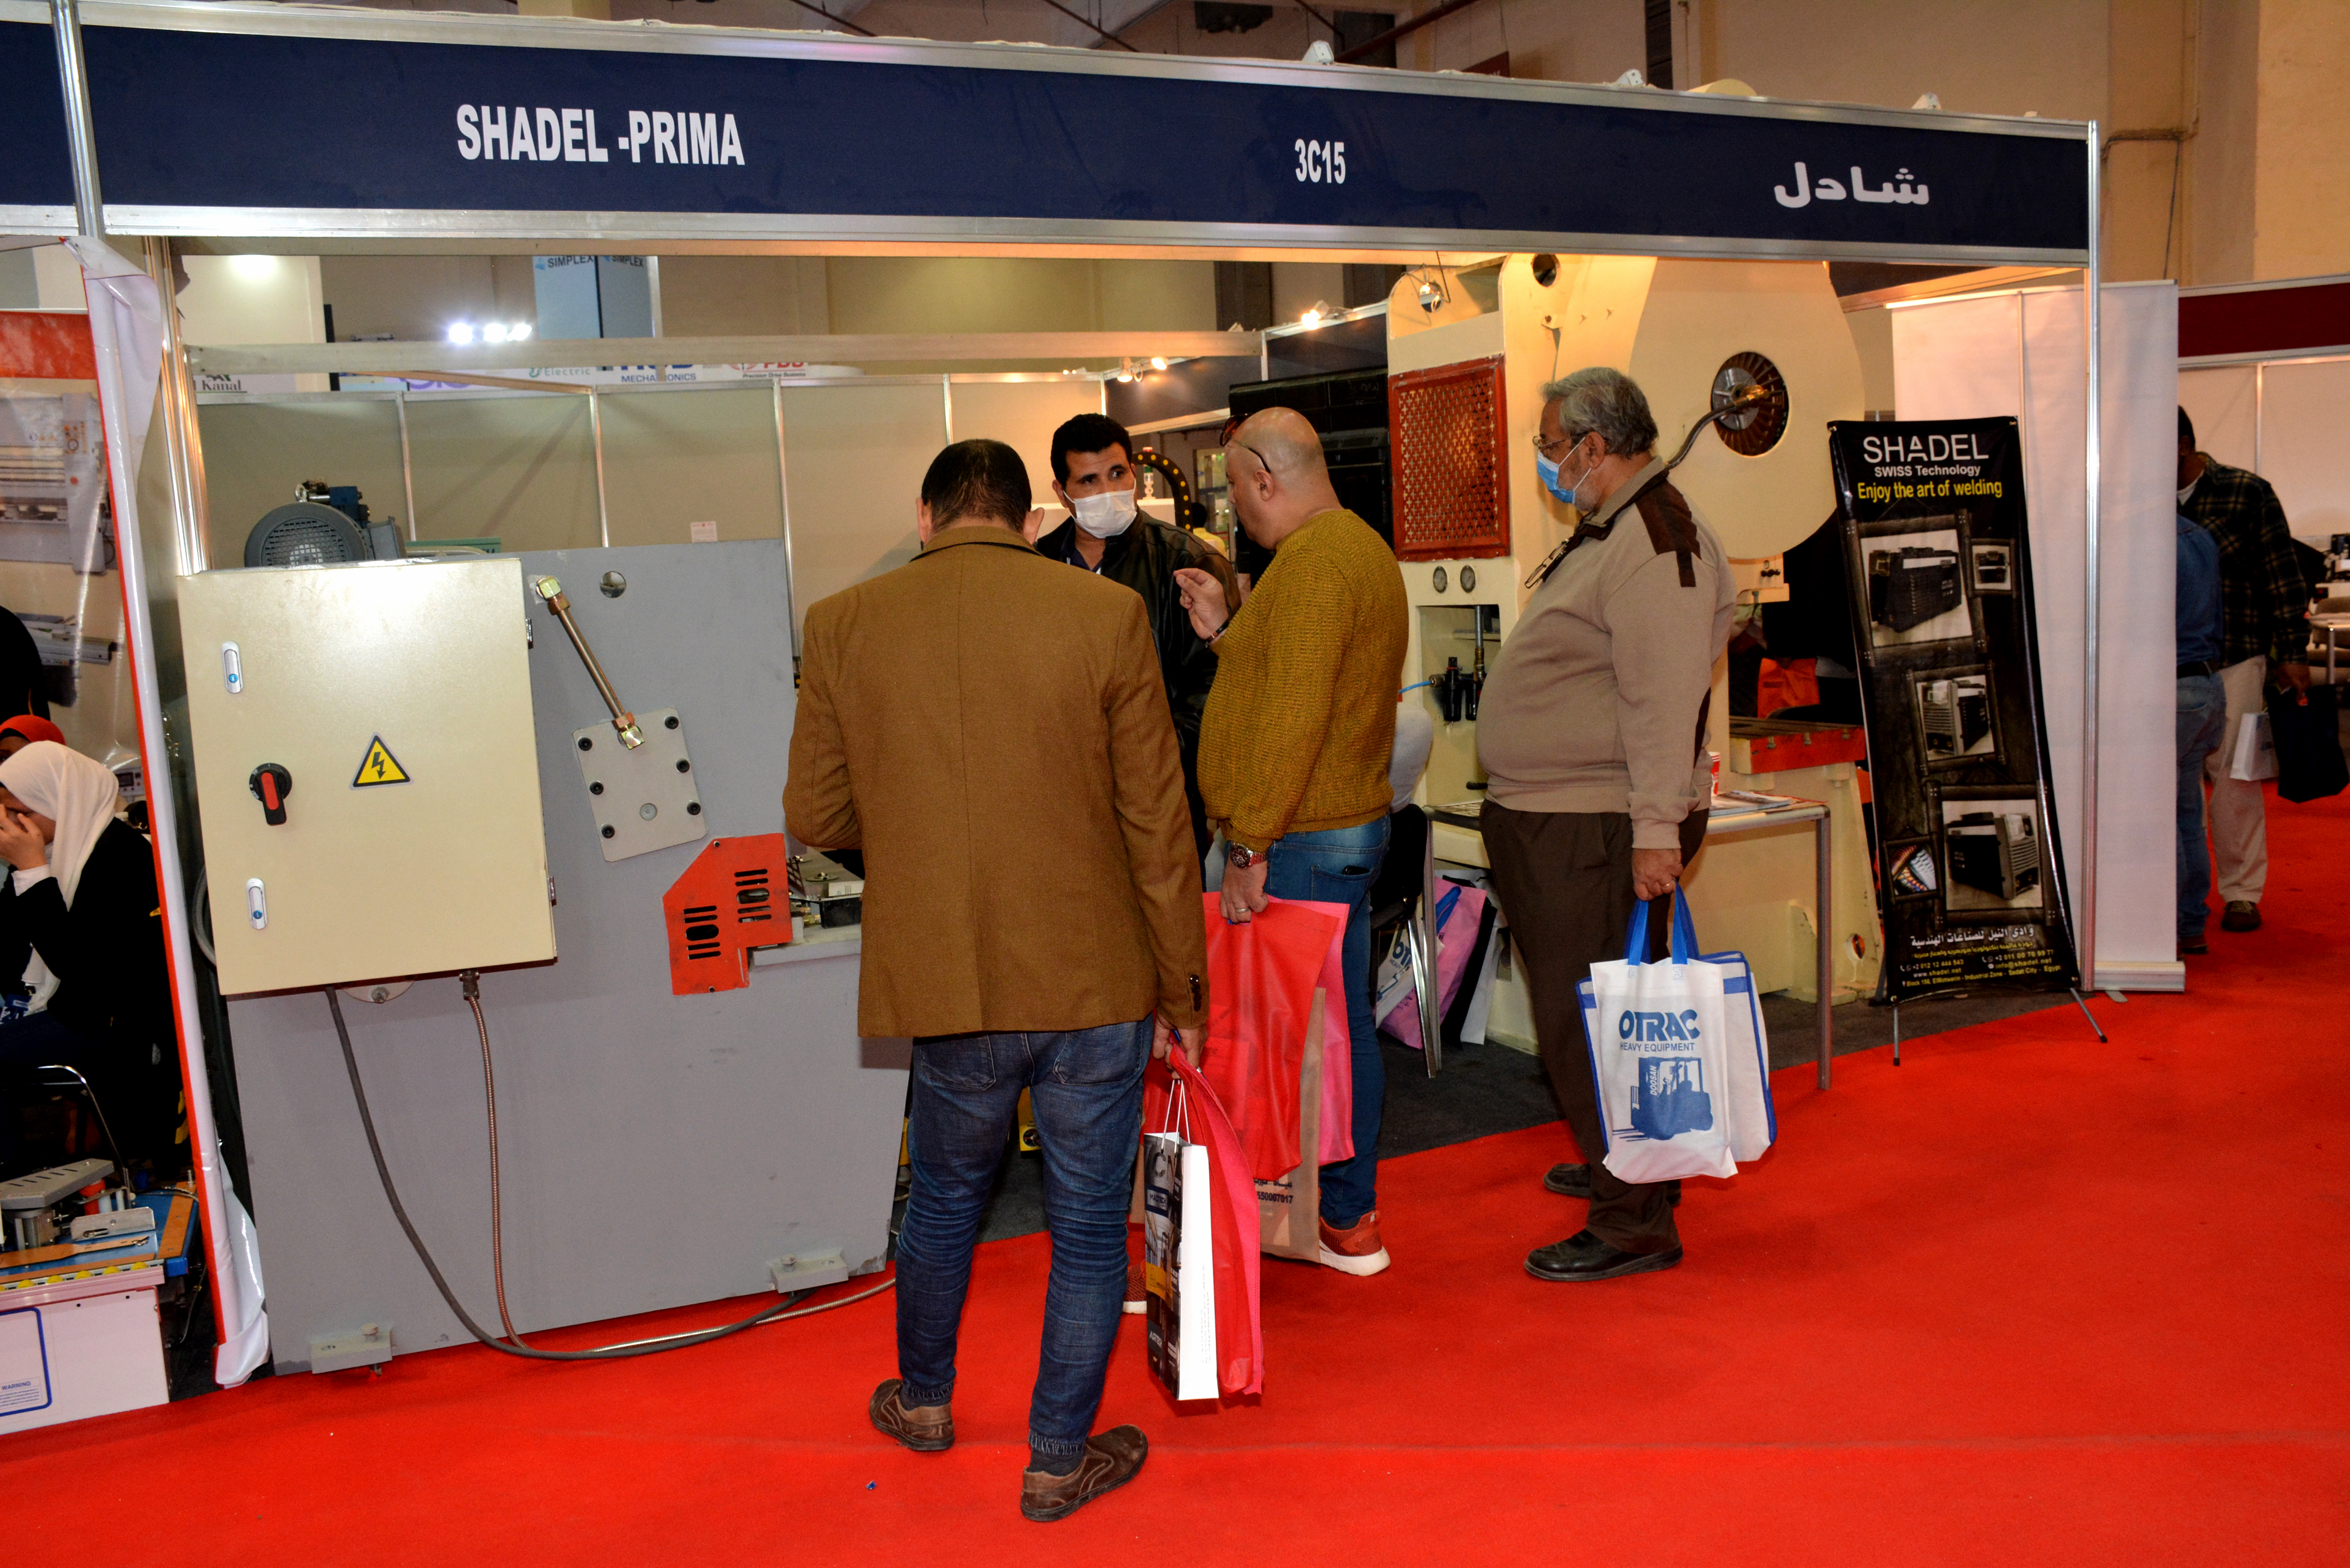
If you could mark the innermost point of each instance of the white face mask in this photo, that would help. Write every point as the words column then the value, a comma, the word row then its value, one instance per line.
column 1106, row 513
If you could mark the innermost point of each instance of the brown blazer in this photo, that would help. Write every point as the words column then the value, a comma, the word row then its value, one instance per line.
column 990, row 728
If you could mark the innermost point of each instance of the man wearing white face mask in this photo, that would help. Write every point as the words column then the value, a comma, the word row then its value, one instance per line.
column 1093, row 475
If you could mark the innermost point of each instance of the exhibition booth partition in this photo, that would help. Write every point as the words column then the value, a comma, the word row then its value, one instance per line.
column 585, row 710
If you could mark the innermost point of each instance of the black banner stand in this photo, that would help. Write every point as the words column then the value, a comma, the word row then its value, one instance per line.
column 1970, row 874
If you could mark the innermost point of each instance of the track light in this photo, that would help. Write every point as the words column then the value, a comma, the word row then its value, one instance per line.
column 1159, row 361
column 460, row 332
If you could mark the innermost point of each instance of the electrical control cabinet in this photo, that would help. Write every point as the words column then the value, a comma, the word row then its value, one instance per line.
column 367, row 772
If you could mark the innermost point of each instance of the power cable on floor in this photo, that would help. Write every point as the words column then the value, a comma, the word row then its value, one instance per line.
column 779, row 1313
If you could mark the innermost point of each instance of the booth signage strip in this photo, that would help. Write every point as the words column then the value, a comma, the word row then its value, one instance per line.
column 465, row 138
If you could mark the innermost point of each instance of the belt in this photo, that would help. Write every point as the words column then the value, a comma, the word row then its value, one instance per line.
column 2200, row 667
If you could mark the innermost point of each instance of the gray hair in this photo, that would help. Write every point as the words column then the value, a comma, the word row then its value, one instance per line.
column 1608, row 402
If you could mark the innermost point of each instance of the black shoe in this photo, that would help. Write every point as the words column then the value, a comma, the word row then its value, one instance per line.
column 2193, row 945
column 1584, row 1256
column 1575, row 1182
column 2240, row 915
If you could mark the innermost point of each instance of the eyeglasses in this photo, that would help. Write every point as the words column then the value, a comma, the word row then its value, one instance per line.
column 1545, row 447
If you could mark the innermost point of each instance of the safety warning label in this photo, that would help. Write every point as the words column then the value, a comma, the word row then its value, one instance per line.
column 379, row 766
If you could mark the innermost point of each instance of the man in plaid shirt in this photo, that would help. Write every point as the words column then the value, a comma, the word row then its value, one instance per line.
column 2264, row 606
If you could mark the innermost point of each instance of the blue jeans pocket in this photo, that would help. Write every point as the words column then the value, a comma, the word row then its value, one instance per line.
column 967, row 1064
column 1111, row 1055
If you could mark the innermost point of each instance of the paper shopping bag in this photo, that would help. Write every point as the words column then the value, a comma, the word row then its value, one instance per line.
column 1289, row 1207
column 1240, row 1325
column 1178, row 1274
column 1657, row 1036
column 2255, row 757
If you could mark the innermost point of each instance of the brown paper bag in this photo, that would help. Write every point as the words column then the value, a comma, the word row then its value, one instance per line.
column 1289, row 1211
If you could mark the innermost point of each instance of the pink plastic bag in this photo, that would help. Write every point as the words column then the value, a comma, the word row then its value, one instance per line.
column 1456, row 936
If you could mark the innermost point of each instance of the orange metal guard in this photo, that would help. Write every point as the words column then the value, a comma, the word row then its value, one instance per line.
column 733, row 897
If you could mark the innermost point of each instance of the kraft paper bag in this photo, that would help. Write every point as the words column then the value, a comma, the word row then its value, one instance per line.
column 1289, row 1208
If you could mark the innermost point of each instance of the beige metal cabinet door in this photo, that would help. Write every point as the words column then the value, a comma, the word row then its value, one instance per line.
column 396, row 697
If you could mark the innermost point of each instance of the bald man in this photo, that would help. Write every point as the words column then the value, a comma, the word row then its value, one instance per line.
column 1296, row 742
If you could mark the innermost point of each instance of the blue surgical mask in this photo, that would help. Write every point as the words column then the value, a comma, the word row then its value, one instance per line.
column 1549, row 472
column 1550, row 478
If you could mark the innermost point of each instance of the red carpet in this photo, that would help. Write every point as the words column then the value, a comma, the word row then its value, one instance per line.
column 2026, row 1299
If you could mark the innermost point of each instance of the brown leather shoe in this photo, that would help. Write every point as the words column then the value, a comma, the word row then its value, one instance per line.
column 925, row 1428
column 2240, row 914
column 1111, row 1461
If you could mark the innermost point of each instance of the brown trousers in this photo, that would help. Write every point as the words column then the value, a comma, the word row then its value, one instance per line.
column 1565, row 880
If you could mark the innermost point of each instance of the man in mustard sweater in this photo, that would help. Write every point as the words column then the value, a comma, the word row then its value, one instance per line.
column 1295, row 746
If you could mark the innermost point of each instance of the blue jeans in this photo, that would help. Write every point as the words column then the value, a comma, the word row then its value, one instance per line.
column 1086, row 1090
column 1338, row 866
column 2202, row 722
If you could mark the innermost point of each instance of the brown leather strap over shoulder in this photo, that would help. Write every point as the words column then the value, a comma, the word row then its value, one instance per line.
column 1670, row 526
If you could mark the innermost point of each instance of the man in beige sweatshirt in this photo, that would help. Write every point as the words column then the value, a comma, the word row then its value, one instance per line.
column 1591, row 734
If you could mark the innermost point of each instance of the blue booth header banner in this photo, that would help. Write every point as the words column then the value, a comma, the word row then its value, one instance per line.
column 364, row 123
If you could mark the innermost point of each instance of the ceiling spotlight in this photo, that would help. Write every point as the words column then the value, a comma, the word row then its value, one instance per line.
column 460, row 332
column 1314, row 313
column 1125, row 370
column 518, row 331
column 493, row 332
column 1159, row 361
column 1431, row 295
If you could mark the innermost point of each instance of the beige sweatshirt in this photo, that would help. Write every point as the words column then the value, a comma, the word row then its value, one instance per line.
column 1593, row 705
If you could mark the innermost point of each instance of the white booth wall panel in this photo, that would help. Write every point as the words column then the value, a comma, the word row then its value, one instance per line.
column 2023, row 354
column 255, row 453
column 2223, row 402
column 854, row 461
column 2303, row 452
column 674, row 458
column 519, row 469
column 1024, row 415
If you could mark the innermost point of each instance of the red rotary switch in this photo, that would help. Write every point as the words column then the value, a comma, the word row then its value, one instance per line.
column 271, row 784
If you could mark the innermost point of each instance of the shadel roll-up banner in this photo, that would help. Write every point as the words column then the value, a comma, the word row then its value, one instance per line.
column 1970, row 877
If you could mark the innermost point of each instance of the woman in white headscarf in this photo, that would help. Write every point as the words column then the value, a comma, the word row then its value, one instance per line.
column 80, row 921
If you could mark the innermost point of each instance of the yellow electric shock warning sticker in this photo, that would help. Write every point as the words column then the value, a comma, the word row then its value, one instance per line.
column 379, row 766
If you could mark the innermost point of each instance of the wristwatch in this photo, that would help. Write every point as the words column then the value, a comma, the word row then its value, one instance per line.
column 1242, row 856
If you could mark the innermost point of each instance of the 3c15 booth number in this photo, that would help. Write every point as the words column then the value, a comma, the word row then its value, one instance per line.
column 1320, row 161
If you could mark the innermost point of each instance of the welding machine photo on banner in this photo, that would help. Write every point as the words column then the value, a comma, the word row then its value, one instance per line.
column 1970, row 878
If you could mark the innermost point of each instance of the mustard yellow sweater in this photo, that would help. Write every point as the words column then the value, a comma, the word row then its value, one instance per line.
column 1301, row 721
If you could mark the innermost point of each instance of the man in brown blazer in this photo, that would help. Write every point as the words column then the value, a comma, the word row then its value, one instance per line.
column 990, row 728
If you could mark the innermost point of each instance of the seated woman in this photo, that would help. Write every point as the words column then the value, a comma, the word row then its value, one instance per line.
column 22, row 731
column 81, row 920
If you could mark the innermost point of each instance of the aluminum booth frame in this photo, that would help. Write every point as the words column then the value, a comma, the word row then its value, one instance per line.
column 780, row 143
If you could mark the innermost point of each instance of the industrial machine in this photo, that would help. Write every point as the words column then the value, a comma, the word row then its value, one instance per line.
column 1742, row 363
column 558, row 940
column 1998, row 851
column 1911, row 586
